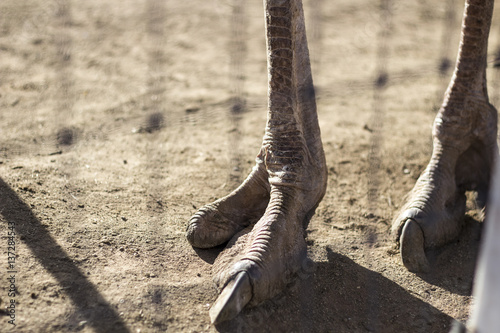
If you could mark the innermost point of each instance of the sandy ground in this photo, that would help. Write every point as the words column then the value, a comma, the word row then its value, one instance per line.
column 116, row 125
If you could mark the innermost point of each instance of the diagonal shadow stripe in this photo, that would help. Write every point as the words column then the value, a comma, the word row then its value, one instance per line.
column 90, row 304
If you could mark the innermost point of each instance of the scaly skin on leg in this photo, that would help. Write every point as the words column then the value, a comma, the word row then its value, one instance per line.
column 285, row 186
column 464, row 135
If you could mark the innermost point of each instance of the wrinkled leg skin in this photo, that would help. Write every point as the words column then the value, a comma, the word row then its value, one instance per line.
column 464, row 149
column 264, row 219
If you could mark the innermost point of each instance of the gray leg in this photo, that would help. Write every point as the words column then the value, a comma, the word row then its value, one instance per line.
column 465, row 146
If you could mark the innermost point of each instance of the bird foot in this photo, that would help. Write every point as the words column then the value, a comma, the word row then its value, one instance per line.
column 259, row 262
column 433, row 214
column 264, row 221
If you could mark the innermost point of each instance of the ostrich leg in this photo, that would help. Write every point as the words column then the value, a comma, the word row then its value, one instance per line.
column 284, row 188
column 464, row 148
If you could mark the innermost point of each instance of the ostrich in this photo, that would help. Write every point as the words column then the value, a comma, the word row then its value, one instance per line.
column 264, row 219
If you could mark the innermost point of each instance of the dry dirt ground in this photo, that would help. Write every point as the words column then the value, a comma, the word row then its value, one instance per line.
column 116, row 125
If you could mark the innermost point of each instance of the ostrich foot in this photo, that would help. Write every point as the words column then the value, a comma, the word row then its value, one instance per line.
column 258, row 263
column 433, row 214
column 464, row 136
column 260, row 257
column 284, row 188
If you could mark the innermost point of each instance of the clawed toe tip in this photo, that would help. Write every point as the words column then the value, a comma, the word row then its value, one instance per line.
column 191, row 233
column 412, row 247
column 233, row 298
column 196, row 236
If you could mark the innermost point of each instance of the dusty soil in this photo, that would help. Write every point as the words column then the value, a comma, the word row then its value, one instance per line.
column 116, row 125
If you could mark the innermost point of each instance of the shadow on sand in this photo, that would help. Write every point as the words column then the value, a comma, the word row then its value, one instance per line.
column 90, row 304
column 341, row 296
column 453, row 265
